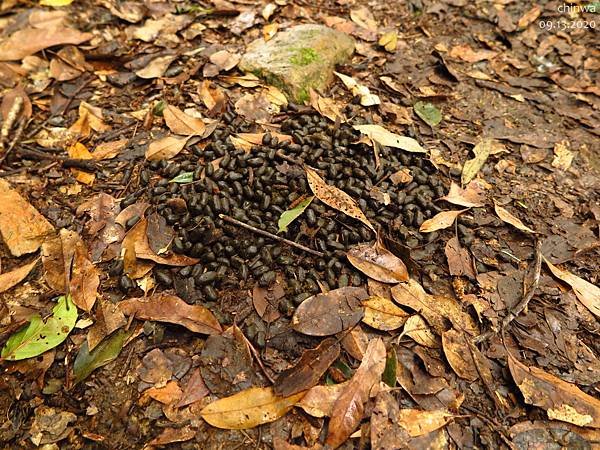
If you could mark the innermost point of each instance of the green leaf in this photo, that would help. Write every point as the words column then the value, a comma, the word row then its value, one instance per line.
column 428, row 112
column 159, row 107
column 106, row 351
column 185, row 177
column 39, row 336
column 290, row 215
column 391, row 364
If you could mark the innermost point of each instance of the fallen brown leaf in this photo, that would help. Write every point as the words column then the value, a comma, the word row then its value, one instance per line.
column 334, row 197
column 156, row 68
column 586, row 292
column 108, row 150
column 15, row 276
column 507, row 217
column 181, row 123
column 435, row 309
column 562, row 401
column 440, row 221
column 80, row 151
column 138, row 234
column 456, row 349
column 319, row 400
column 418, row 422
column 85, row 278
column 348, row 409
column 330, row 313
column 482, row 151
column 382, row 314
column 327, row 107
column 460, row 262
column 308, row 370
column 416, row 328
column 248, row 408
column 166, row 147
column 472, row 196
column 377, row 262
column 22, row 227
column 467, row 54
column 28, row 41
column 169, row 308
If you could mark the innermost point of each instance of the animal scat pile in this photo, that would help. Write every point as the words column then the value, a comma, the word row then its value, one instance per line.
column 257, row 187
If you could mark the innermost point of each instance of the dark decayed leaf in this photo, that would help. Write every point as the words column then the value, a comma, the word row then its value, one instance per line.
column 378, row 263
column 106, row 351
column 459, row 260
column 330, row 313
column 39, row 336
column 164, row 307
column 348, row 409
column 428, row 112
column 308, row 370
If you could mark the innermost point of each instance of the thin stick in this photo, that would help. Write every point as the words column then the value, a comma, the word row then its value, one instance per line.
column 519, row 307
column 264, row 233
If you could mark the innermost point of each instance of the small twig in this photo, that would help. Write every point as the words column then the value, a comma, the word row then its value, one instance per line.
column 537, row 267
column 519, row 307
column 288, row 158
column 264, row 233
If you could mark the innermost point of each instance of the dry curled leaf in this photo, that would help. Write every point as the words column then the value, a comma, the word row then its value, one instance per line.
column 382, row 314
column 435, row 309
column 327, row 107
column 482, row 150
column 348, row 409
column 377, row 262
column 163, row 307
column 472, row 196
column 562, row 401
column 586, row 292
column 388, row 139
column 507, row 217
column 440, row 221
column 366, row 98
column 334, row 197
column 308, row 370
column 331, row 312
column 182, row 123
column 166, row 147
column 248, row 408
column 156, row 68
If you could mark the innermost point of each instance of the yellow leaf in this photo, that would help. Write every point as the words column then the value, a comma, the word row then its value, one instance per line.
column 55, row 2
column 80, row 151
column 510, row 219
column 382, row 314
column 248, row 408
column 482, row 150
column 440, row 221
column 389, row 41
column 416, row 327
column 418, row 422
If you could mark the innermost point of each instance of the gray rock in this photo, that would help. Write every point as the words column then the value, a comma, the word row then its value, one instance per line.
column 298, row 59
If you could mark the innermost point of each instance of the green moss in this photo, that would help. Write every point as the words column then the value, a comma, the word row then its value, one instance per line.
column 304, row 56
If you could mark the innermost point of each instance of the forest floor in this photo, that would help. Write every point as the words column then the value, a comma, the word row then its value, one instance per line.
column 138, row 162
